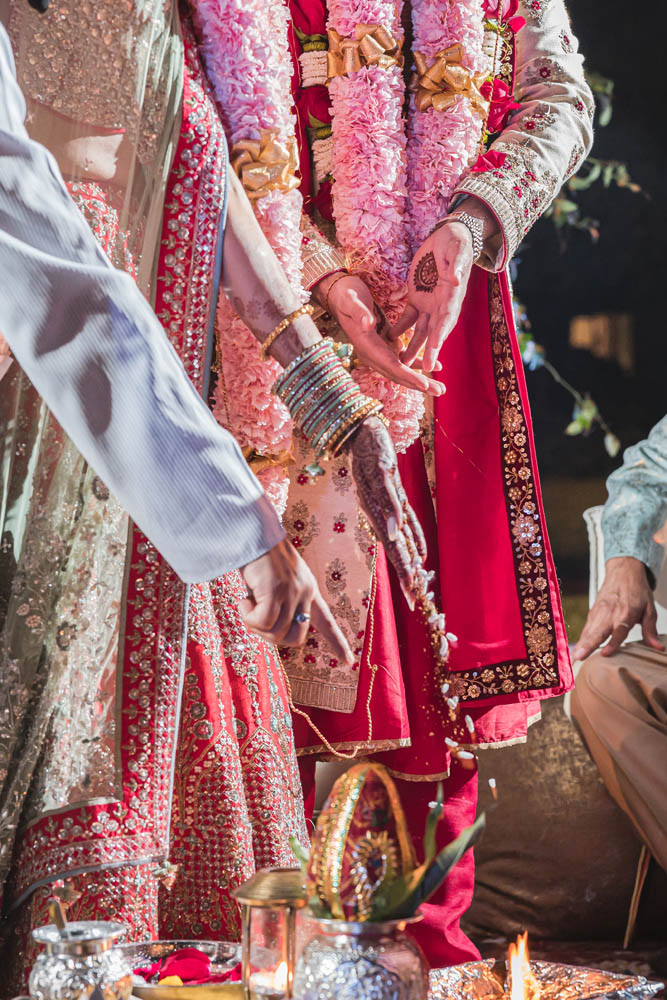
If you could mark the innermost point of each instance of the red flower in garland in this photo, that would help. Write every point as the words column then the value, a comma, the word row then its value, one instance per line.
column 500, row 97
column 504, row 11
column 489, row 161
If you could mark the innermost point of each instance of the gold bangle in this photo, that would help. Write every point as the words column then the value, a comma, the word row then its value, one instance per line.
column 372, row 407
column 305, row 310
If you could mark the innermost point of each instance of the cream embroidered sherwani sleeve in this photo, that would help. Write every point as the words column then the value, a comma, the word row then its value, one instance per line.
column 546, row 140
column 95, row 351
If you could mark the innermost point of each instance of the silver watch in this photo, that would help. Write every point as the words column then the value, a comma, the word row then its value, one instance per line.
column 474, row 226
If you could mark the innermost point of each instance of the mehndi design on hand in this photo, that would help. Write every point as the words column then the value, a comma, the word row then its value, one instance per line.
column 426, row 273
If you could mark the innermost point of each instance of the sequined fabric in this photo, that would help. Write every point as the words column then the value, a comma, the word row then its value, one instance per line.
column 63, row 547
column 109, row 809
column 121, row 50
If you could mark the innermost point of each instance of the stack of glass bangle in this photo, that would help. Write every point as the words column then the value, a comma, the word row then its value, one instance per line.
column 322, row 398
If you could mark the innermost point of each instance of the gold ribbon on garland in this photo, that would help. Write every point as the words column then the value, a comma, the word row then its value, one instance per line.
column 265, row 165
column 373, row 45
column 440, row 85
column 259, row 462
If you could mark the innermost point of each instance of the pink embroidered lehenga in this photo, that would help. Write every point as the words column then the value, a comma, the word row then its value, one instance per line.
column 140, row 720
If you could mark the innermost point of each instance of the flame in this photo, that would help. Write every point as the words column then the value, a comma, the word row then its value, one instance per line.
column 280, row 976
column 523, row 984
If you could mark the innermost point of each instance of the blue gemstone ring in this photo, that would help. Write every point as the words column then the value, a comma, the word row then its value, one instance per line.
column 301, row 617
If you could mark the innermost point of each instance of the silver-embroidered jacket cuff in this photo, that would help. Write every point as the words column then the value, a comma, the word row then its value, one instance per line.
column 318, row 257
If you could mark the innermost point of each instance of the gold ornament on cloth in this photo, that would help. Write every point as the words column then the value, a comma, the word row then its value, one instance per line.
column 265, row 164
column 440, row 85
column 361, row 844
column 373, row 45
column 258, row 462
column 362, row 864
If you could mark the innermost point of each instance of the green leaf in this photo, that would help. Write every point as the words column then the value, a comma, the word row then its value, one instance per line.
column 606, row 111
column 582, row 181
column 315, row 122
column 574, row 428
column 432, row 821
column 588, row 411
column 443, row 864
column 579, row 183
column 566, row 206
column 612, row 444
column 301, row 853
column 600, row 84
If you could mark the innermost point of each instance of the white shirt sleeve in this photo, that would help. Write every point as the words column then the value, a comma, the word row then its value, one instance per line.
column 96, row 353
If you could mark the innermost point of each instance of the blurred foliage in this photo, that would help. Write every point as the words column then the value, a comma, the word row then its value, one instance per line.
column 567, row 215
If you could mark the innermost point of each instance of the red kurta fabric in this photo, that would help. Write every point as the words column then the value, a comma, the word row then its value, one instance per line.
column 484, row 522
column 488, row 545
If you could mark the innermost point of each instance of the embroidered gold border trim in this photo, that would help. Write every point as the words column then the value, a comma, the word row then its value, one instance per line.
column 364, row 747
column 539, row 671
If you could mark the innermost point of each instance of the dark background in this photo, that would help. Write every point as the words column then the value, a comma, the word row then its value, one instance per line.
column 625, row 272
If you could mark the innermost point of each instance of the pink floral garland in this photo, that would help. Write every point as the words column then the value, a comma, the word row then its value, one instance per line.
column 253, row 93
column 442, row 145
column 370, row 190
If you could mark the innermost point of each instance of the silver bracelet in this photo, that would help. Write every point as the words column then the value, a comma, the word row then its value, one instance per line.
column 474, row 226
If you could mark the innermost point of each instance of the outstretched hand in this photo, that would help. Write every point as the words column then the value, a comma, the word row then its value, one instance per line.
column 437, row 285
column 283, row 598
column 383, row 499
column 624, row 600
column 349, row 300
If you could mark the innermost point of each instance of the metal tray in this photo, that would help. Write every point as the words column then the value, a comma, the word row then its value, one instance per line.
column 224, row 955
column 485, row 981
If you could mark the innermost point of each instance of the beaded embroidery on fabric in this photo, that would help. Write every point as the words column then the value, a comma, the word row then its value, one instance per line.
column 109, row 45
column 129, row 821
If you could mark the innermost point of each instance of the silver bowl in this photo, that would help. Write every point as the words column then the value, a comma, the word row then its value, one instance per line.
column 224, row 955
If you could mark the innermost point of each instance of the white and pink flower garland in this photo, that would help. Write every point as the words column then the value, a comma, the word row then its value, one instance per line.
column 246, row 52
column 442, row 144
column 370, row 190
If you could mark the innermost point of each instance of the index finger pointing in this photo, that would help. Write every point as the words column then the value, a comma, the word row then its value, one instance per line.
column 326, row 625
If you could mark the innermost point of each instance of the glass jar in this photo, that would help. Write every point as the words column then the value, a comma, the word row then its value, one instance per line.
column 81, row 965
column 342, row 960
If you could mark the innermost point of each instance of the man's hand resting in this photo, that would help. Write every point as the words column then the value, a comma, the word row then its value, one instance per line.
column 281, row 586
column 625, row 599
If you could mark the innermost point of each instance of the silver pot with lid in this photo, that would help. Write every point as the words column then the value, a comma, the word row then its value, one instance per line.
column 81, row 962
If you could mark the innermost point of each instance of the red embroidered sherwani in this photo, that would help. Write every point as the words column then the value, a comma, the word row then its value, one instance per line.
column 472, row 479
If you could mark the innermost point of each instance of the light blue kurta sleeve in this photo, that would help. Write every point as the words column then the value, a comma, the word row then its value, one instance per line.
column 637, row 504
column 95, row 351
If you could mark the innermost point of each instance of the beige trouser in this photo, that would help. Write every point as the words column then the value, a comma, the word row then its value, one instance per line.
column 620, row 704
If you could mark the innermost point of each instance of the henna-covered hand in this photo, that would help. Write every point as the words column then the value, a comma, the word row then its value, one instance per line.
column 436, row 288
column 437, row 285
column 383, row 499
column 350, row 301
